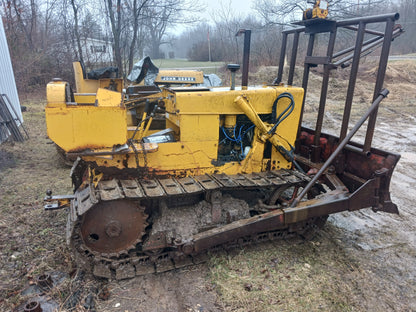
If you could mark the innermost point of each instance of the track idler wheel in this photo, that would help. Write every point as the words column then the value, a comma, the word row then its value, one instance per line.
column 112, row 228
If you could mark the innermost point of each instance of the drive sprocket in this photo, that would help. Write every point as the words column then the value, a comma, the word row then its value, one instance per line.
column 112, row 228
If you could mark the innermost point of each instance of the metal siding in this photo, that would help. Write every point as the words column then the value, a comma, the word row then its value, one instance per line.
column 7, row 81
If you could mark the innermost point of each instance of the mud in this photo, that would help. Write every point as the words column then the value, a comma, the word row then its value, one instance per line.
column 185, row 221
column 182, row 290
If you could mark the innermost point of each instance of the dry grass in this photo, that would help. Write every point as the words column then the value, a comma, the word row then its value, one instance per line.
column 31, row 240
column 285, row 276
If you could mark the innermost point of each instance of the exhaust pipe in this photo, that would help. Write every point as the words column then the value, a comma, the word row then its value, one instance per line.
column 246, row 55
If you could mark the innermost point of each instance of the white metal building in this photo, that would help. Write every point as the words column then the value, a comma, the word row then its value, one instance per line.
column 7, row 81
column 97, row 51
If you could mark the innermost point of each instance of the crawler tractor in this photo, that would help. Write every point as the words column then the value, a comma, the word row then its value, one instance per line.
column 164, row 175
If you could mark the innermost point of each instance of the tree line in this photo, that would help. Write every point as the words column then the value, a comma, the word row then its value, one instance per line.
column 272, row 18
column 45, row 36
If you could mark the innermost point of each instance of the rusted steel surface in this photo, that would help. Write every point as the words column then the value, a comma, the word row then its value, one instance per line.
column 266, row 222
column 341, row 145
column 352, row 81
column 293, row 58
column 362, row 165
column 324, row 91
column 355, row 167
column 109, row 230
column 381, row 72
column 278, row 79
column 113, row 227
column 44, row 280
column 96, row 150
column 33, row 306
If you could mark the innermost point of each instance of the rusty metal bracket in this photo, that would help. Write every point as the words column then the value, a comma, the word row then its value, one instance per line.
column 156, row 242
column 56, row 202
column 214, row 198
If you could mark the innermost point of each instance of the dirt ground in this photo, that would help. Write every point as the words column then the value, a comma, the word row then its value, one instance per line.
column 360, row 261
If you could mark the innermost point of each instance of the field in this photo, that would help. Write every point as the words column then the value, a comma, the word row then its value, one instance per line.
column 360, row 261
column 206, row 67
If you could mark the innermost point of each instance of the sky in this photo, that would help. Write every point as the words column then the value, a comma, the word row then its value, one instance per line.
column 212, row 7
column 238, row 7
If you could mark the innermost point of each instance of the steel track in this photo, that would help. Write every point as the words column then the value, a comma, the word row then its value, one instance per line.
column 134, row 261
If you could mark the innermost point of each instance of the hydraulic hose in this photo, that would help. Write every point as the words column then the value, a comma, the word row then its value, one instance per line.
column 286, row 112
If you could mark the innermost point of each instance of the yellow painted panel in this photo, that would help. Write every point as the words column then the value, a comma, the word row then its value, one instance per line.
column 222, row 101
column 186, row 158
column 278, row 161
column 194, row 116
column 85, row 98
column 84, row 85
column 75, row 128
column 173, row 118
column 177, row 156
column 91, row 85
column 107, row 98
column 286, row 130
column 56, row 93
column 196, row 128
column 173, row 126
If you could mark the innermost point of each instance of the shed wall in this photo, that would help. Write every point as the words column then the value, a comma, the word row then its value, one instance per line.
column 7, row 81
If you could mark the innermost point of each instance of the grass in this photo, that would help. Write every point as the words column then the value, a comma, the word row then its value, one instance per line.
column 288, row 275
column 31, row 240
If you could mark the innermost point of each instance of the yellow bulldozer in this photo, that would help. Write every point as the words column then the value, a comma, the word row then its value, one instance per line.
column 166, row 174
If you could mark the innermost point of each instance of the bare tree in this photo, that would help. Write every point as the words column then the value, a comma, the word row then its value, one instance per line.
column 167, row 13
column 226, row 26
column 283, row 12
column 114, row 9
column 136, row 8
column 75, row 9
column 26, row 19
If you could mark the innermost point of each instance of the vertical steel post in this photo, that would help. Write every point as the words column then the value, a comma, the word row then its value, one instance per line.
column 353, row 79
column 293, row 58
column 246, row 58
column 384, row 57
column 281, row 60
column 324, row 90
column 305, row 78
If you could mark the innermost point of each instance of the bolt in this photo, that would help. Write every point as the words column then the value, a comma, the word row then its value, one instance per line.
column 113, row 228
column 331, row 170
column 188, row 248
